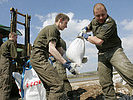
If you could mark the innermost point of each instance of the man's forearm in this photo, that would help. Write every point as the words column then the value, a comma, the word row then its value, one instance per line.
column 54, row 52
column 95, row 40
column 58, row 56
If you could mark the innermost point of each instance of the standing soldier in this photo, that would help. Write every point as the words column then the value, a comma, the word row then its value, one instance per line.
column 110, row 53
column 48, row 43
column 8, row 53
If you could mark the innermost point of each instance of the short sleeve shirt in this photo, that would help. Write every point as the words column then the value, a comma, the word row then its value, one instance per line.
column 40, row 46
column 107, row 32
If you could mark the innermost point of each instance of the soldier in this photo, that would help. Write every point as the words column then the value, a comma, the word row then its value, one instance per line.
column 48, row 43
column 110, row 51
column 8, row 53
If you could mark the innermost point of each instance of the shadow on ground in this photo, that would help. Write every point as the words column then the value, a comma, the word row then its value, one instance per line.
column 75, row 94
column 82, row 94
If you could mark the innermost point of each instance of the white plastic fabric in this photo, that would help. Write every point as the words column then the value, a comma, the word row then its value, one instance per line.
column 76, row 50
column 32, row 86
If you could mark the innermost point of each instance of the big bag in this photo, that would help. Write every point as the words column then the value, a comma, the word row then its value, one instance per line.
column 76, row 50
column 29, row 85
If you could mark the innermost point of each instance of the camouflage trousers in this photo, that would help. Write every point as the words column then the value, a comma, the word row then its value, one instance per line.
column 106, row 61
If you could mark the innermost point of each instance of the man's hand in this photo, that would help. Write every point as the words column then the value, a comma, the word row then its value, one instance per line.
column 83, row 33
column 71, row 67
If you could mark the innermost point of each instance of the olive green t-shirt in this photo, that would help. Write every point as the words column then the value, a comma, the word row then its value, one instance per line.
column 107, row 32
column 40, row 46
column 8, row 49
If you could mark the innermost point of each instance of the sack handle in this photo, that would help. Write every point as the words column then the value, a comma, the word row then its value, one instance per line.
column 24, row 68
column 27, row 63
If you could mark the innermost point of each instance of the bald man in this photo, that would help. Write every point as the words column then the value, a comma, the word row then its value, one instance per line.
column 110, row 51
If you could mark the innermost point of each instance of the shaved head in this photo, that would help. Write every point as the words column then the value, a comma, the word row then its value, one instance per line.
column 100, row 12
column 99, row 6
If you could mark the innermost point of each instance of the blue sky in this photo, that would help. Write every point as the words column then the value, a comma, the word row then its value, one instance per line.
column 43, row 13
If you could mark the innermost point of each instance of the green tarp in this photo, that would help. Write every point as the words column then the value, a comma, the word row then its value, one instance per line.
column 4, row 30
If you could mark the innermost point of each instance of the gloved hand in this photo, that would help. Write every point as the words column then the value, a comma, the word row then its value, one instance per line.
column 71, row 67
column 83, row 33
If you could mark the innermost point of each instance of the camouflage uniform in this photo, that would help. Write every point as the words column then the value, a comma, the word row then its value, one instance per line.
column 110, row 55
column 39, row 61
column 62, row 70
column 8, row 51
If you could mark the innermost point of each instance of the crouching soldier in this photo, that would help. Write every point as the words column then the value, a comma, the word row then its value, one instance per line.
column 48, row 43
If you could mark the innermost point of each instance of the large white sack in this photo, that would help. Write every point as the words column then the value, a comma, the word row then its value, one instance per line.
column 32, row 85
column 76, row 50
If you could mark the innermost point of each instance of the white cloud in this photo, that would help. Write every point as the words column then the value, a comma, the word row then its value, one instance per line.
column 128, row 24
column 40, row 17
column 74, row 25
column 128, row 46
column 2, row 1
column 49, row 19
column 127, row 40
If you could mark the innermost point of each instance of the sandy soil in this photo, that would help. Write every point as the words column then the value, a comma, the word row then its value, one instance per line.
column 91, row 90
column 87, row 90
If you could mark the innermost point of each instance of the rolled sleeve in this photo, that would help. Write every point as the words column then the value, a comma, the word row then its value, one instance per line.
column 52, row 39
column 52, row 35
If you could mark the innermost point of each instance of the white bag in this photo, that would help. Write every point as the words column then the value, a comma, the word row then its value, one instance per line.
column 76, row 50
column 29, row 84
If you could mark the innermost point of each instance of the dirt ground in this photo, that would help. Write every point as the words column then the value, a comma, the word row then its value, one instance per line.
column 88, row 90
column 91, row 90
